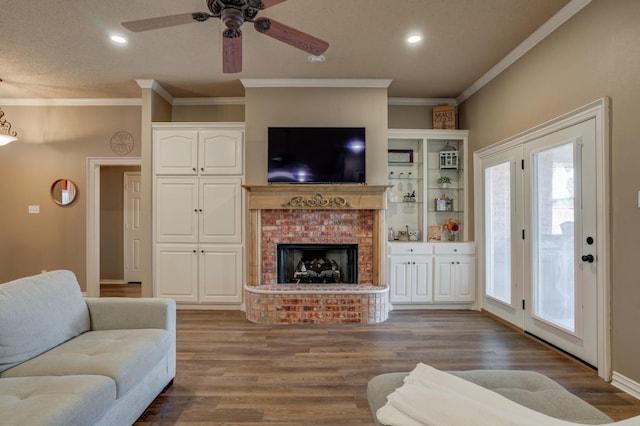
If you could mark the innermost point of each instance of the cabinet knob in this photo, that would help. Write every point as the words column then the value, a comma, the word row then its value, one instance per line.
column 453, row 263
column 195, row 251
column 456, row 250
column 202, row 169
column 411, row 250
column 194, row 169
column 195, row 210
column 202, row 251
column 200, row 210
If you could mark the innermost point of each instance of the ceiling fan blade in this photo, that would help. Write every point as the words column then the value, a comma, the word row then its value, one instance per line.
column 161, row 22
column 231, row 51
column 291, row 36
column 268, row 3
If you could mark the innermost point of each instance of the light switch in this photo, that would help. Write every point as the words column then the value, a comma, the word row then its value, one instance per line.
column 34, row 209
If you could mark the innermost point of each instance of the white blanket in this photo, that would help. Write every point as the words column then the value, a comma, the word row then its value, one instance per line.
column 435, row 398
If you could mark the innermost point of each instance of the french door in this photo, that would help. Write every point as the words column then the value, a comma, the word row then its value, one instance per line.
column 560, row 279
column 539, row 255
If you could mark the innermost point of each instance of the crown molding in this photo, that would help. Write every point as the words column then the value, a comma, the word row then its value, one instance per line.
column 563, row 15
column 156, row 87
column 72, row 102
column 421, row 101
column 320, row 82
column 208, row 101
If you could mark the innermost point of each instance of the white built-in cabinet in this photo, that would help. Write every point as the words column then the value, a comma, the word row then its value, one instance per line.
column 198, row 212
column 454, row 273
column 431, row 274
column 428, row 268
column 411, row 272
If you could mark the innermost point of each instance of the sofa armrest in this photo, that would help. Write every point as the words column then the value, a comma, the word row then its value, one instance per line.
column 113, row 313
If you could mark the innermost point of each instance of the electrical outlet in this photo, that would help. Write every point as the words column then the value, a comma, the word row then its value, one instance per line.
column 34, row 209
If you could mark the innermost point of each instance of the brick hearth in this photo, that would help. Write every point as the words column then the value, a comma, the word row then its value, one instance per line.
column 325, row 214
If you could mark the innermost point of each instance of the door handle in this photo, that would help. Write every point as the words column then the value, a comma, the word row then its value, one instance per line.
column 588, row 258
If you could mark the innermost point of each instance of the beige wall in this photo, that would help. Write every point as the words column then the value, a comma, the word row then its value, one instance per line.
column 207, row 113
column 595, row 54
column 54, row 143
column 112, row 221
column 410, row 117
column 266, row 107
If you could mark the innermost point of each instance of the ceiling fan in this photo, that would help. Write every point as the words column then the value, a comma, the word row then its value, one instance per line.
column 234, row 13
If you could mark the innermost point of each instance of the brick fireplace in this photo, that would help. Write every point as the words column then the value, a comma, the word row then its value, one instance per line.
column 316, row 214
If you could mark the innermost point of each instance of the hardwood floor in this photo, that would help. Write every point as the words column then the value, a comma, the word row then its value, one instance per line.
column 233, row 372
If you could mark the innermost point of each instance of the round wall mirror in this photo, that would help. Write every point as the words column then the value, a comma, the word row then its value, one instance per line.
column 64, row 192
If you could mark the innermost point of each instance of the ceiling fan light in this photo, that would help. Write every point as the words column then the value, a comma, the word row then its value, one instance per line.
column 7, row 139
column 6, row 134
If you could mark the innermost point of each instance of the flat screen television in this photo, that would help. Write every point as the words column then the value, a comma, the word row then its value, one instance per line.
column 316, row 155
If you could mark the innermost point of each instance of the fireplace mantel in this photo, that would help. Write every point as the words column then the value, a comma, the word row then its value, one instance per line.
column 301, row 197
column 312, row 196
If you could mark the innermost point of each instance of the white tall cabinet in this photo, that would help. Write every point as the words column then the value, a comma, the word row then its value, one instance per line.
column 198, row 213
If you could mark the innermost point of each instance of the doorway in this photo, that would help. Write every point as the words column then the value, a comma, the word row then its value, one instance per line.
column 94, row 166
column 542, row 228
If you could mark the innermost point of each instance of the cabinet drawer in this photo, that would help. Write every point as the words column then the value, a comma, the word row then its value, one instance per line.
column 410, row 248
column 454, row 248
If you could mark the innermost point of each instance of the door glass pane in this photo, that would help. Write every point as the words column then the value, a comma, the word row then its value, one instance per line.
column 498, row 231
column 553, row 242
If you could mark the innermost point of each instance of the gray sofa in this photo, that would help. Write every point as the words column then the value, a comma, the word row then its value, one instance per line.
column 530, row 389
column 70, row 360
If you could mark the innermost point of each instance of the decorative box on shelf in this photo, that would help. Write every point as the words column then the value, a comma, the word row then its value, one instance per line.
column 444, row 117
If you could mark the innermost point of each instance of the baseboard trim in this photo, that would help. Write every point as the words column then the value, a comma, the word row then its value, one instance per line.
column 112, row 282
column 626, row 384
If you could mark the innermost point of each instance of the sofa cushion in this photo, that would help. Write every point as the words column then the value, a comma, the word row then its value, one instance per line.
column 126, row 356
column 52, row 401
column 38, row 313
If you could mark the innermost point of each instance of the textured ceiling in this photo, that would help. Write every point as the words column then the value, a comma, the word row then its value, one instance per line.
column 60, row 49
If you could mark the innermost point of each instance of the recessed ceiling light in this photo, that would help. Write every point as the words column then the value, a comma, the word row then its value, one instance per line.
column 414, row 38
column 316, row 59
column 118, row 39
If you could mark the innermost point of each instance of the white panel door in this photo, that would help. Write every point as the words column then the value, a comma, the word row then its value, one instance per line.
column 177, row 210
column 220, row 274
column 221, row 152
column 175, row 152
column 176, row 272
column 220, row 210
column 132, row 229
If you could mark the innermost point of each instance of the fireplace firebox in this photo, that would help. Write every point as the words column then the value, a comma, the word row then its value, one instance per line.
column 317, row 263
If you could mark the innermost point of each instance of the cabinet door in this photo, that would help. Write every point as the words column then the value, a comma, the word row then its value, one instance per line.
column 176, row 272
column 176, row 210
column 221, row 152
column 400, row 279
column 221, row 215
column 422, row 282
column 454, row 278
column 221, row 274
column 175, row 152
column 465, row 278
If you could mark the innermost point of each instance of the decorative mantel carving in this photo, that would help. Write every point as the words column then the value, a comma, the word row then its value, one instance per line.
column 317, row 200
column 307, row 196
